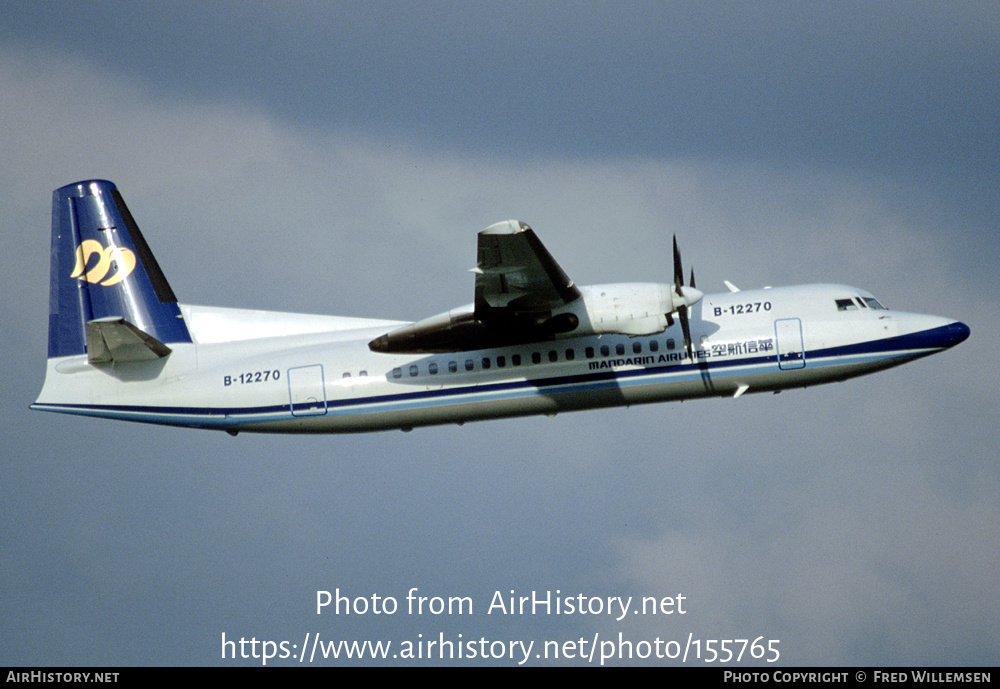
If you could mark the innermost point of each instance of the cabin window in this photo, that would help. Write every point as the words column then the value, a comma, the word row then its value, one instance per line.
column 469, row 365
column 362, row 373
column 413, row 370
column 515, row 359
column 570, row 355
column 846, row 305
column 589, row 352
column 553, row 355
column 619, row 349
column 670, row 343
column 654, row 346
column 347, row 374
column 536, row 358
column 397, row 373
column 637, row 348
column 452, row 367
column 486, row 363
column 501, row 361
column 605, row 350
column 432, row 368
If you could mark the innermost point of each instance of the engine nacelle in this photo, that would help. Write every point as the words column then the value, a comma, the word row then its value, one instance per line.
column 446, row 332
column 629, row 308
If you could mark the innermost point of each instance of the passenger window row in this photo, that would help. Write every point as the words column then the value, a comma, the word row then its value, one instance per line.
column 552, row 356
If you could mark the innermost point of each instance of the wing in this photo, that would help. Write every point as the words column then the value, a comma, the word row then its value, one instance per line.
column 518, row 285
column 516, row 277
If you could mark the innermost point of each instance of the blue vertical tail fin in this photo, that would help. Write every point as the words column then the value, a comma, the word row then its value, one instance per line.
column 104, row 273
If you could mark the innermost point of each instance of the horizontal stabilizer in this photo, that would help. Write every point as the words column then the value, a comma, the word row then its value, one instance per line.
column 116, row 340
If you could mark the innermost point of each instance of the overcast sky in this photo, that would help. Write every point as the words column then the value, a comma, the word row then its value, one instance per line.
column 340, row 158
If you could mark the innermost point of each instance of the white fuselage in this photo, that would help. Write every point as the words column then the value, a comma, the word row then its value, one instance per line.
column 277, row 372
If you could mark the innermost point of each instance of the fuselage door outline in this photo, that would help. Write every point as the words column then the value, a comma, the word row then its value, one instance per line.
column 306, row 390
column 788, row 343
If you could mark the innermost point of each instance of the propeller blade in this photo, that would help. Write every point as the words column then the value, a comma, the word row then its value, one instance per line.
column 692, row 296
column 678, row 270
column 686, row 328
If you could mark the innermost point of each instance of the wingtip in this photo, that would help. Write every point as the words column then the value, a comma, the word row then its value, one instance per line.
column 506, row 227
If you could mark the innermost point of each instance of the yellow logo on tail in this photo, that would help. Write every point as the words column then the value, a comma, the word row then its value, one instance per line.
column 123, row 259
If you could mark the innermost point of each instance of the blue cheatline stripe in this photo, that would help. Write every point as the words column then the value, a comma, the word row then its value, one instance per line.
column 906, row 347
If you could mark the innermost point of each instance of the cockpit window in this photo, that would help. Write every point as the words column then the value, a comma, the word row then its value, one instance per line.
column 873, row 303
column 846, row 305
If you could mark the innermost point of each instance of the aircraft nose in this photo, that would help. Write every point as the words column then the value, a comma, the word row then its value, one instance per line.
column 955, row 333
column 947, row 335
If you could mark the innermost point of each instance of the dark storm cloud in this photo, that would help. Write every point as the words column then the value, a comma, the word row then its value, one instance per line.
column 858, row 83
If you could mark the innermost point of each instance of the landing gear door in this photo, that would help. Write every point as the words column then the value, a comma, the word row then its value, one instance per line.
column 788, row 336
column 306, row 391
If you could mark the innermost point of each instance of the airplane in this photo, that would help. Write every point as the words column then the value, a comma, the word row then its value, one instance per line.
column 532, row 342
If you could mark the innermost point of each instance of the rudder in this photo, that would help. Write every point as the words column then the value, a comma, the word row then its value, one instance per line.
column 102, row 268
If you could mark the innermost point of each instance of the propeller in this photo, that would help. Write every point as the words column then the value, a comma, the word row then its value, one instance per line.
column 685, row 298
